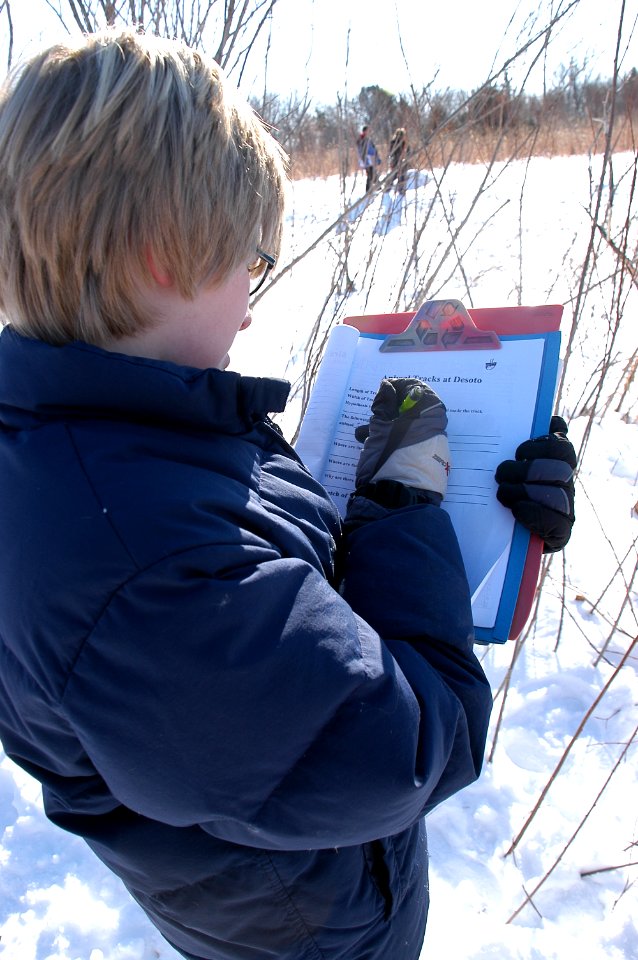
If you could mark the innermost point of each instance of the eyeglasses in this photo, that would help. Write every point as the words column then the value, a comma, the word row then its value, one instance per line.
column 266, row 262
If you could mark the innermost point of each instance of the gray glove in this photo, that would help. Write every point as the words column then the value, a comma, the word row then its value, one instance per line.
column 405, row 440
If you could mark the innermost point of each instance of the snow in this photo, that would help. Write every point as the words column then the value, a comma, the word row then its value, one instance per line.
column 565, row 695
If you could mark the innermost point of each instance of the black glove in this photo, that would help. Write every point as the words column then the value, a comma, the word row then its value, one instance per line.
column 538, row 486
column 405, row 440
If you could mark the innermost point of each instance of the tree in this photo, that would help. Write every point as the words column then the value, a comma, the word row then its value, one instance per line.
column 377, row 106
column 226, row 29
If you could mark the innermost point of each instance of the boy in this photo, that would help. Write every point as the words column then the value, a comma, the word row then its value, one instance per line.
column 249, row 740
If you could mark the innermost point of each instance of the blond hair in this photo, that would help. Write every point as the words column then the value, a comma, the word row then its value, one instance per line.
column 116, row 146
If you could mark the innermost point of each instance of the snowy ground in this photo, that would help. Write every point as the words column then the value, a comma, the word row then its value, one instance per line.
column 519, row 245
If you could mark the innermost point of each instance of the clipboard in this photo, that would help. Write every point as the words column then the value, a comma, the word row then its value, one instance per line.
column 447, row 325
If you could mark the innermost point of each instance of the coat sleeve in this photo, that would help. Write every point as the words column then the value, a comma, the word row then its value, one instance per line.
column 234, row 688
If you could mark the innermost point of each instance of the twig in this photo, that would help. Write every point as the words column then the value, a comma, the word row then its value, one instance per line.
column 6, row 6
column 528, row 896
column 598, row 204
column 626, row 601
column 616, row 866
column 517, row 839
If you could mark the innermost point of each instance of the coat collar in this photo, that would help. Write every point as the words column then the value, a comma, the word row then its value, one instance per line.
column 78, row 380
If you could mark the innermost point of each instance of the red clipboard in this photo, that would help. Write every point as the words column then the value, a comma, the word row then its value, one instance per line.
column 496, row 321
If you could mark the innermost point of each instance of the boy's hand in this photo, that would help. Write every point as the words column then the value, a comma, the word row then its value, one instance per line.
column 538, row 486
column 405, row 439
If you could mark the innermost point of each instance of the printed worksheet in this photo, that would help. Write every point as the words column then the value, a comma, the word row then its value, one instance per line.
column 490, row 399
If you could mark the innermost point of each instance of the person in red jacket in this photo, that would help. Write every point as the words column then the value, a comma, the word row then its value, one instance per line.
column 245, row 708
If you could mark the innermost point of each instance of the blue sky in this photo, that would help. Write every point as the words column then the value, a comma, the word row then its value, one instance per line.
column 334, row 47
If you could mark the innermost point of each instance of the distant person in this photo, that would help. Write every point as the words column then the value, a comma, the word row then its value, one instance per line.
column 368, row 155
column 398, row 156
column 244, row 706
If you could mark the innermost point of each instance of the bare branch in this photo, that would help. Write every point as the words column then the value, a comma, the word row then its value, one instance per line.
column 528, row 896
column 519, row 836
column 5, row 7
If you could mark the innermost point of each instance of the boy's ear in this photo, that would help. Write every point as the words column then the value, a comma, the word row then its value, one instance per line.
column 161, row 276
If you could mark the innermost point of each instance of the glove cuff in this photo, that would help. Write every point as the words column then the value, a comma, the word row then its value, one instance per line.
column 423, row 465
column 393, row 495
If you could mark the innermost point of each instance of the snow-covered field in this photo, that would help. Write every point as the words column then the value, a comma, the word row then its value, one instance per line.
column 565, row 716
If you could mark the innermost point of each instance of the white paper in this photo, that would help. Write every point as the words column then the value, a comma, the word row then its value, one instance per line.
column 490, row 399
column 317, row 430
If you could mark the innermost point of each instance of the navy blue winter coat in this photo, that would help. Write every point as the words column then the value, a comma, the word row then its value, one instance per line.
column 249, row 749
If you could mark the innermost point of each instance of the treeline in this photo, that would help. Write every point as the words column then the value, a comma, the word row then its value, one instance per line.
column 571, row 117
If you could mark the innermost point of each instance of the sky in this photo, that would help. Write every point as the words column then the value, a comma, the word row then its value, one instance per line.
column 343, row 44
column 330, row 48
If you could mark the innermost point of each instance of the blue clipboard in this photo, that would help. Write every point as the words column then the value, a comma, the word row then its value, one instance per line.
column 446, row 325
